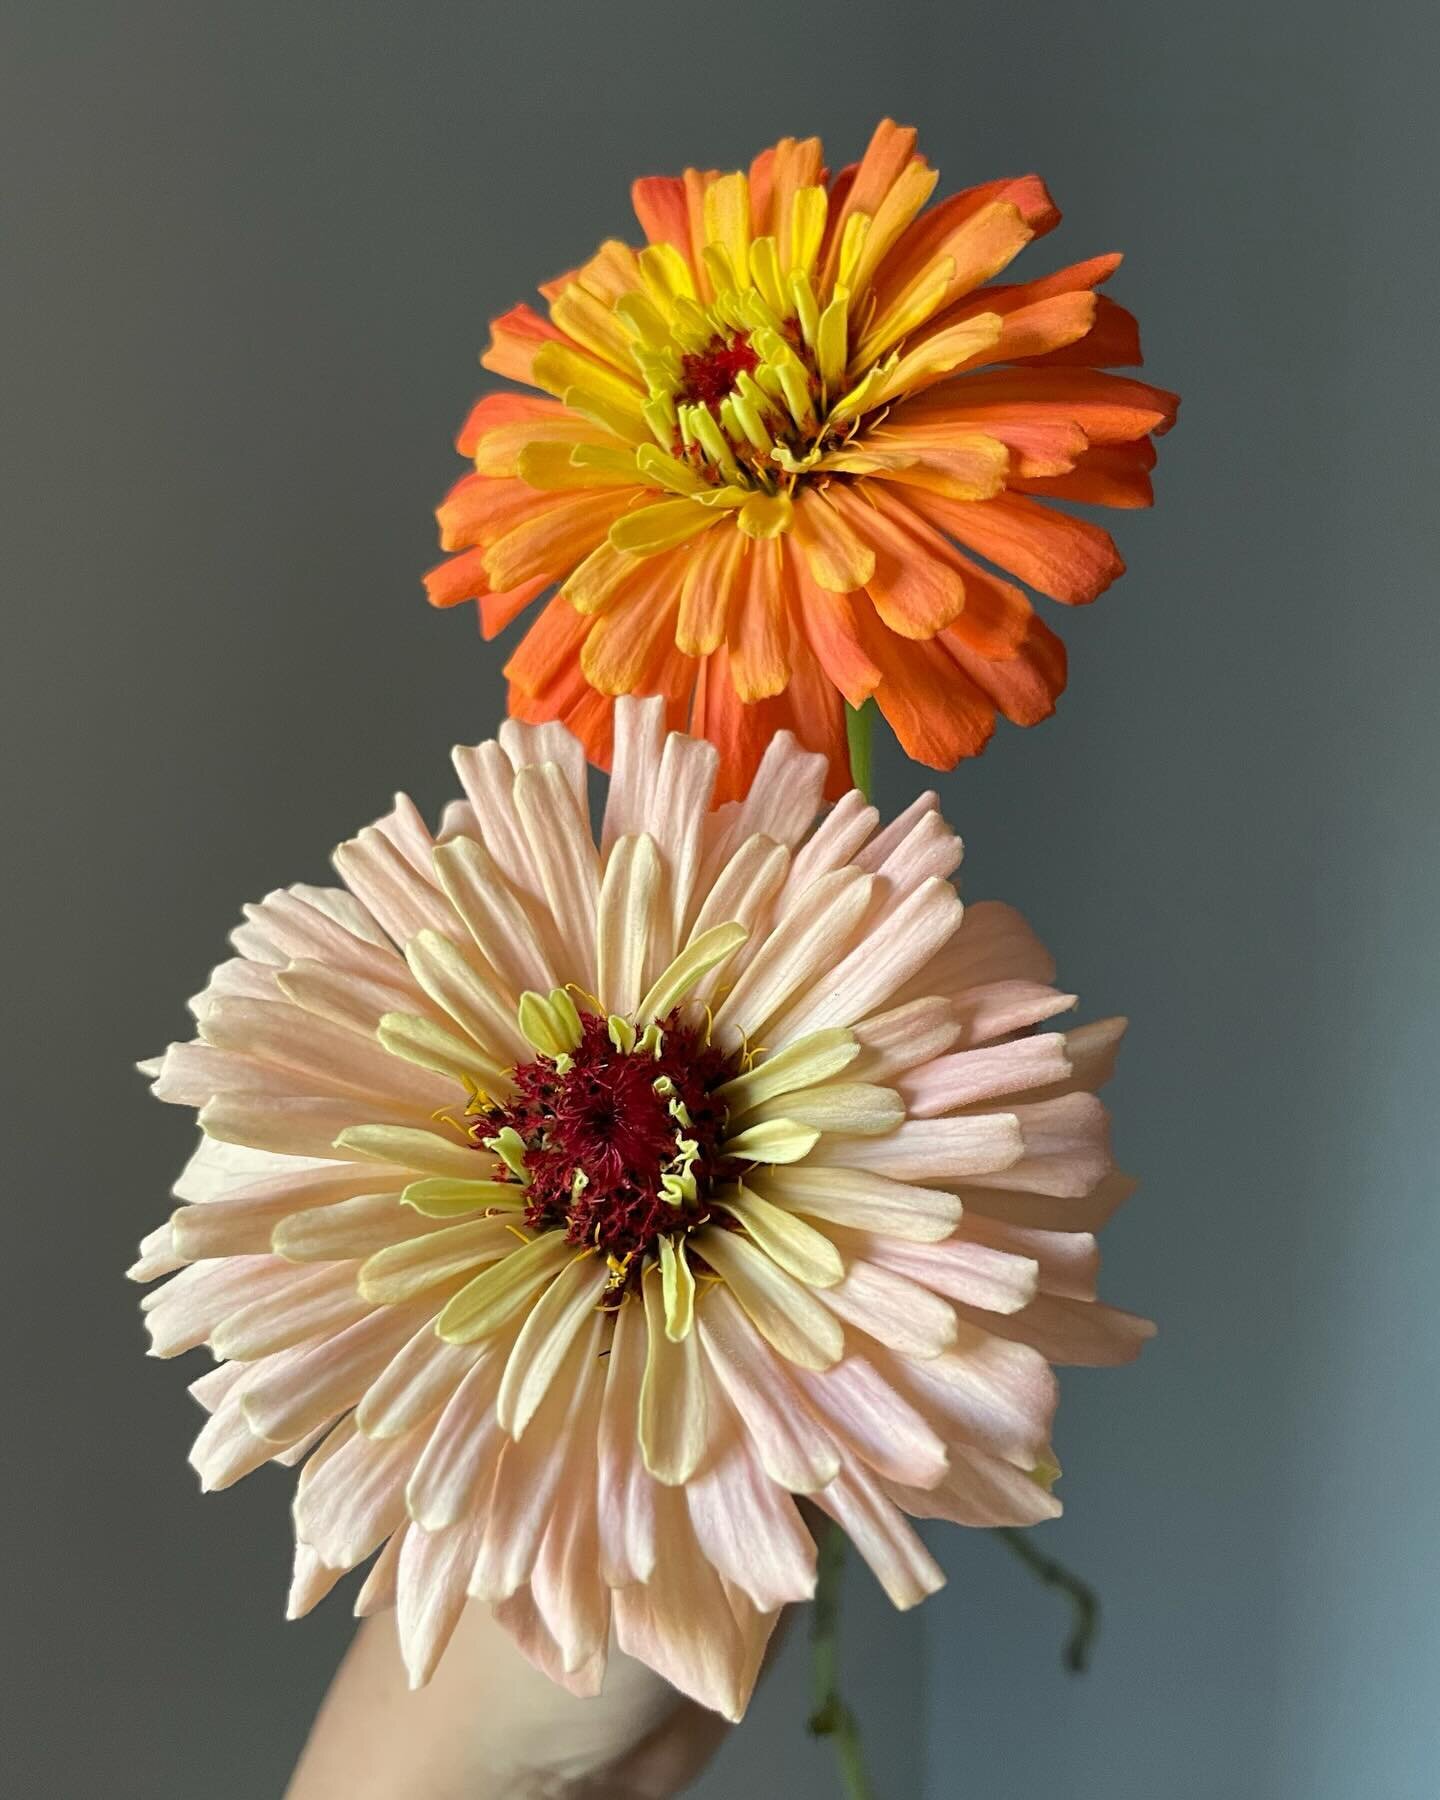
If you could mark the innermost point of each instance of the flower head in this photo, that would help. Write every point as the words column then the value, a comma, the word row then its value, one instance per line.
column 570, row 1209
column 798, row 448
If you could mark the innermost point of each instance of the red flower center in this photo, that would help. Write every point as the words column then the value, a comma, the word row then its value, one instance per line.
column 708, row 376
column 620, row 1122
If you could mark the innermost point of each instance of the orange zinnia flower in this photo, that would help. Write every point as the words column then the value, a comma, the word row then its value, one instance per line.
column 785, row 449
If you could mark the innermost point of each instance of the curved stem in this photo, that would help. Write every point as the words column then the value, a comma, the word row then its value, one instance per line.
column 859, row 729
column 831, row 1717
column 1084, row 1601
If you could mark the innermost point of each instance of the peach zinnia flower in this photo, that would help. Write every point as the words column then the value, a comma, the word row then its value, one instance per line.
column 573, row 1209
column 793, row 450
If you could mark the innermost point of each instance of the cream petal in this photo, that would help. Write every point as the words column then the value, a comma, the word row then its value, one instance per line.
column 324, row 1057
column 160, row 1256
column 443, row 1052
column 793, row 1447
column 185, row 1312
column 626, row 911
column 504, row 1290
column 520, row 1617
column 347, row 1229
column 895, row 833
column 304, row 1126
column 466, row 988
column 430, row 1593
column 424, row 1152
column 310, row 1582
column 743, row 893
column 711, row 951
column 675, row 817
column 673, row 1416
column 843, row 1108
column 540, row 1351
column 1067, row 1148
column 1051, row 1212
column 1068, row 1261
column 787, row 1314
column 547, row 743
column 773, row 1141
column 488, row 777
column 809, row 1060
column 427, row 1258
column 798, row 1248
column 861, row 1200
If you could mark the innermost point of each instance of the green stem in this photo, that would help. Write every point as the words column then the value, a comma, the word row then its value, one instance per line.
column 859, row 728
column 831, row 1717
column 1084, row 1601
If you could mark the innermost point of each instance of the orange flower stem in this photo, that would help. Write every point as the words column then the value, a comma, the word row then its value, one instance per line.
column 1084, row 1601
column 859, row 726
column 831, row 1717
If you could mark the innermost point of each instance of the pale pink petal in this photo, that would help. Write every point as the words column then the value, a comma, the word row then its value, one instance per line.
column 625, row 1496
column 219, row 1171
column 1080, row 1332
column 242, row 1225
column 624, row 923
column 564, row 857
column 995, row 944
column 527, row 1477
column 971, row 1076
column 321, row 1056
column 1052, row 1212
column 304, row 1126
column 554, row 1322
column 960, row 1270
column 980, row 1490
column 947, row 1150
column 891, row 1042
column 402, row 900
column 377, row 1592
column 1068, row 1261
column 547, row 743
column 893, row 1310
column 873, row 1421
column 750, row 1529
column 565, row 1582
column 158, row 1255
column 185, row 1312
column 519, row 1615
column 288, row 1400
column 860, row 1199
column 355, row 1498
column 416, row 1382
column 675, row 818
column 1067, row 1148
column 457, row 1465
column 992, row 1395
column 310, row 1582
column 836, row 841
column 799, row 949
column 498, row 921
column 292, row 923
column 430, row 1593
column 488, row 777
column 304, row 1307
column 879, row 1531
column 877, row 968
column 997, row 1009
column 899, row 828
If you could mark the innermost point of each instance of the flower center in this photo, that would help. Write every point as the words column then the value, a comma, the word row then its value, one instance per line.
column 710, row 375
column 620, row 1144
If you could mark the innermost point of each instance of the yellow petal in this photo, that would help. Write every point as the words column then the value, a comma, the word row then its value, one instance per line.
column 766, row 515
column 660, row 527
column 448, row 1198
column 677, row 1281
column 776, row 1141
column 673, row 1421
column 495, row 1296
column 404, row 1270
column 800, row 1065
column 704, row 953
column 798, row 1248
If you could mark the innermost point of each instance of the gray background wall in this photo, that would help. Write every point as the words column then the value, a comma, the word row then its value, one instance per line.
column 250, row 258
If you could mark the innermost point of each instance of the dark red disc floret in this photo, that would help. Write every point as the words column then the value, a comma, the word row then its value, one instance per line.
column 709, row 376
column 603, row 1117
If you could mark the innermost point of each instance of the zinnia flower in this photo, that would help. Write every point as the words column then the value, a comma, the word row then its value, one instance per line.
column 570, row 1210
column 795, row 449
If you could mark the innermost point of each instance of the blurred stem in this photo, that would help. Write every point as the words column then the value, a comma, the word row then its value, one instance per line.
column 1084, row 1601
column 831, row 1717
column 859, row 726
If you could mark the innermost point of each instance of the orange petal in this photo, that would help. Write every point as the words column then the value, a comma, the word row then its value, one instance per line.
column 660, row 206
column 758, row 626
column 998, row 615
column 711, row 570
column 480, row 509
column 548, row 649
column 457, row 579
column 1069, row 559
column 836, row 557
column 1108, row 475
column 797, row 164
column 553, row 540
column 932, row 706
column 1109, row 409
column 627, row 643
column 827, row 620
column 921, row 243
column 493, row 410
column 915, row 586
column 887, row 155
column 1024, row 686
column 498, row 610
column 516, row 338
column 571, row 700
